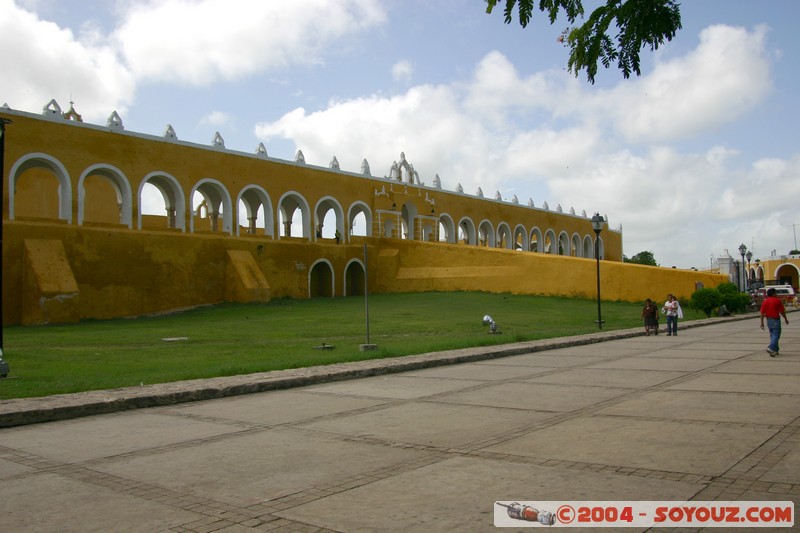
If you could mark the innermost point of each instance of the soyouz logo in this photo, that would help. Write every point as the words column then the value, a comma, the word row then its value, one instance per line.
column 643, row 514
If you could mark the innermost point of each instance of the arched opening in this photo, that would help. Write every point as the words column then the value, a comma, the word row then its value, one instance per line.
column 360, row 220
column 354, row 279
column 563, row 244
column 211, row 208
column 486, row 234
column 446, row 229
column 550, row 242
column 466, row 232
column 254, row 212
column 408, row 219
column 161, row 202
column 328, row 220
column 786, row 274
column 293, row 216
column 320, row 280
column 104, row 196
column 576, row 248
column 504, row 239
column 39, row 188
column 587, row 247
column 537, row 242
column 520, row 238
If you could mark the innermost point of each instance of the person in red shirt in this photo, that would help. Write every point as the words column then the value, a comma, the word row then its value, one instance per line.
column 772, row 309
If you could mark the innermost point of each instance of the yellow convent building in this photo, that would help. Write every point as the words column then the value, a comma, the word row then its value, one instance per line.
column 233, row 226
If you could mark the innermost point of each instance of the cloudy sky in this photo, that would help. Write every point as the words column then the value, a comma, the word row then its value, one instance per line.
column 697, row 155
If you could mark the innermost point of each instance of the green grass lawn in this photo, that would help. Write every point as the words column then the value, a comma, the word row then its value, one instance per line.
column 233, row 339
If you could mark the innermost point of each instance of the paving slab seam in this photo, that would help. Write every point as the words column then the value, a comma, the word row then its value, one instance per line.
column 743, row 478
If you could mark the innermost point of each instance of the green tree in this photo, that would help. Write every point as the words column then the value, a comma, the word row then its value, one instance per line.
column 639, row 23
column 706, row 300
column 642, row 258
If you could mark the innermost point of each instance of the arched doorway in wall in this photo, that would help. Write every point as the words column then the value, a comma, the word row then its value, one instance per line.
column 354, row 278
column 104, row 196
column 408, row 219
column 447, row 229
column 537, row 242
column 786, row 274
column 294, row 216
column 254, row 212
column 486, row 234
column 320, row 280
column 328, row 219
column 359, row 220
column 161, row 202
column 211, row 208
column 39, row 188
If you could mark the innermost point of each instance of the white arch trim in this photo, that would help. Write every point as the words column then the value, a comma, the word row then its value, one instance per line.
column 225, row 200
column 266, row 203
column 305, row 210
column 179, row 201
column 121, row 184
column 338, row 211
column 41, row 160
column 352, row 212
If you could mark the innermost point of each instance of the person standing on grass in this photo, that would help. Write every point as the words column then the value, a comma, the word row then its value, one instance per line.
column 673, row 311
column 772, row 309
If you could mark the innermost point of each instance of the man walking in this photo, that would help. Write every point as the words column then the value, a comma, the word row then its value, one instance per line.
column 772, row 309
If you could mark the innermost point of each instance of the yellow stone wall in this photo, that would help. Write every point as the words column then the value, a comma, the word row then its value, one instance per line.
column 78, row 185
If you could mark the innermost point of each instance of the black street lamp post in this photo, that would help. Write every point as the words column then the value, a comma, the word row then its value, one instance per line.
column 597, row 224
column 742, row 250
column 748, row 279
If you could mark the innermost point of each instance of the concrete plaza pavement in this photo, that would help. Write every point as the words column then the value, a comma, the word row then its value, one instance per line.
column 705, row 415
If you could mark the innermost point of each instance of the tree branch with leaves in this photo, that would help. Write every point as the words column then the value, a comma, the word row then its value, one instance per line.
column 638, row 24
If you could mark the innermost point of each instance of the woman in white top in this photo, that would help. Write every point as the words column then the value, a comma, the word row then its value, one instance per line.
column 673, row 311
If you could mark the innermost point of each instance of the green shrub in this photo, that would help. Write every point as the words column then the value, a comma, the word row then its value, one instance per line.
column 706, row 300
column 732, row 298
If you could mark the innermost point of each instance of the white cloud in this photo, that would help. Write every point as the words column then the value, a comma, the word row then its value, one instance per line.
column 620, row 151
column 216, row 119
column 725, row 77
column 424, row 123
column 402, row 71
column 575, row 152
column 200, row 42
column 43, row 61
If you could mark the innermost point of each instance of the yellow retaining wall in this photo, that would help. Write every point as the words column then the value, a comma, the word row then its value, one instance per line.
column 120, row 272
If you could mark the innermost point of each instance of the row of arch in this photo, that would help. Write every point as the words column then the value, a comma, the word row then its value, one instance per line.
column 322, row 279
column 211, row 208
column 785, row 274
